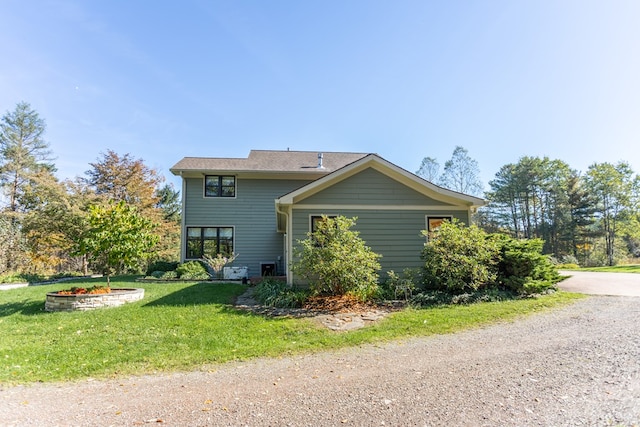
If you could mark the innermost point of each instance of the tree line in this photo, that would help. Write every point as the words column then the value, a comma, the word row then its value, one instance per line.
column 50, row 226
column 590, row 218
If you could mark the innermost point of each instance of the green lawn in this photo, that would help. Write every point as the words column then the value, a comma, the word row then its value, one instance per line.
column 181, row 326
column 631, row 268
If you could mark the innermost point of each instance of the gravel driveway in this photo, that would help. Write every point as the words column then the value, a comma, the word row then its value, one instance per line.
column 571, row 367
column 597, row 283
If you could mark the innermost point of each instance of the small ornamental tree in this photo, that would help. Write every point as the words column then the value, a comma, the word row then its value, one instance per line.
column 336, row 261
column 459, row 258
column 117, row 238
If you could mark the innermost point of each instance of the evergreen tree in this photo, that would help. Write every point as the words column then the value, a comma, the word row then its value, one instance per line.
column 24, row 157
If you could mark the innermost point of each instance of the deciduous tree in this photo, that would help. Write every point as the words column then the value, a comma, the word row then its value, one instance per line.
column 613, row 186
column 124, row 178
column 429, row 169
column 118, row 237
column 461, row 173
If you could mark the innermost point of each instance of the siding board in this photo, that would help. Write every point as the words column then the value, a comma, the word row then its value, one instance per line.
column 371, row 187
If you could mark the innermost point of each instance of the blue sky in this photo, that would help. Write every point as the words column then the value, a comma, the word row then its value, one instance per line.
column 405, row 79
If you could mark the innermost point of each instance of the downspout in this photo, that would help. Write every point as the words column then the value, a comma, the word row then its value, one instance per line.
column 287, row 235
column 183, row 228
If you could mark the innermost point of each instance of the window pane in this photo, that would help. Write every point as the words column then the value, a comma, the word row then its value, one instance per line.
column 193, row 249
column 193, row 232
column 211, row 186
column 210, row 233
column 228, row 181
column 226, row 247
column 228, row 192
column 226, row 232
column 436, row 222
column 211, row 247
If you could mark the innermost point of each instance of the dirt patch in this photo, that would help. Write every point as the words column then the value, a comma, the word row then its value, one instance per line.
column 343, row 313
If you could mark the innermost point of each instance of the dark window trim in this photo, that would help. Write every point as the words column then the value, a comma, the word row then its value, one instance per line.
column 220, row 187
column 202, row 239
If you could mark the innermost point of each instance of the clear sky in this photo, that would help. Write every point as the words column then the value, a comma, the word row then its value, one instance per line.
column 402, row 78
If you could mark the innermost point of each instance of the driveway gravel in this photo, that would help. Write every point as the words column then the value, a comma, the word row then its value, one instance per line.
column 599, row 283
column 576, row 366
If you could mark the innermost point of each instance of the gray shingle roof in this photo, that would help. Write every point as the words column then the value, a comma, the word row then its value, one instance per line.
column 269, row 161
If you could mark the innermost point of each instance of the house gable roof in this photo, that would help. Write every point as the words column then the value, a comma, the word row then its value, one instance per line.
column 393, row 171
column 267, row 162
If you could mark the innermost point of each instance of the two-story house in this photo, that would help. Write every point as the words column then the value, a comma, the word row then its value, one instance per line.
column 259, row 207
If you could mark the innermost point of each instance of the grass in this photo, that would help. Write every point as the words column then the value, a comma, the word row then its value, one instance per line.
column 181, row 326
column 628, row 268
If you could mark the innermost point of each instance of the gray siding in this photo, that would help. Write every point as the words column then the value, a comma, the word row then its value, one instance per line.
column 395, row 234
column 371, row 187
column 251, row 212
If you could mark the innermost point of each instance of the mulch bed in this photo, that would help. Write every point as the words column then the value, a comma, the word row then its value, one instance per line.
column 340, row 304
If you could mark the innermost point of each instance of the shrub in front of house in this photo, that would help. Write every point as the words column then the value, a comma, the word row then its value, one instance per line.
column 436, row 298
column 161, row 265
column 192, row 270
column 458, row 259
column 336, row 261
column 467, row 261
column 522, row 267
column 163, row 275
column 276, row 293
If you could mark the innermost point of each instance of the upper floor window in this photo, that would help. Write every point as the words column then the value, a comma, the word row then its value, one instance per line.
column 219, row 186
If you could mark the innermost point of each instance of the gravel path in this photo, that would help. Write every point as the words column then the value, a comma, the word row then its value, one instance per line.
column 577, row 366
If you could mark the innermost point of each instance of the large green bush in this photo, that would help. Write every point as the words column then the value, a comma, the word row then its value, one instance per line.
column 161, row 265
column 192, row 270
column 522, row 267
column 336, row 261
column 458, row 258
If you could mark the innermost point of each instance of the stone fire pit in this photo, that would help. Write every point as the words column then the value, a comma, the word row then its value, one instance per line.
column 81, row 302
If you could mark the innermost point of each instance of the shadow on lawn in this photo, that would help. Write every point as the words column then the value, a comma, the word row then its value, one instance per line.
column 28, row 308
column 202, row 293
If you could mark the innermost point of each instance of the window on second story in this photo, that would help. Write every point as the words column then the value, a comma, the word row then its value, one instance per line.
column 219, row 186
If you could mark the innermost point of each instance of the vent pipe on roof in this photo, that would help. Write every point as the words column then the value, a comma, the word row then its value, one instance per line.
column 320, row 166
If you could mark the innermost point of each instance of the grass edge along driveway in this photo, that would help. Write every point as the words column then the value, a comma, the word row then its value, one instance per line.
column 185, row 326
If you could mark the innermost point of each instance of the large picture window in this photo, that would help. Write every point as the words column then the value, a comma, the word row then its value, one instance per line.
column 219, row 186
column 209, row 241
